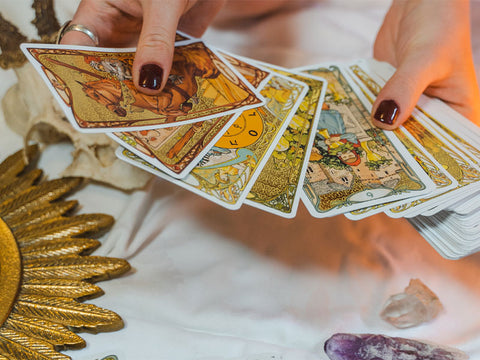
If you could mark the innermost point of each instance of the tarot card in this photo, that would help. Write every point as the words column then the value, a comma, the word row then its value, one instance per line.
column 442, row 179
column 465, row 137
column 434, row 237
column 176, row 150
column 472, row 186
column 252, row 71
column 442, row 119
column 436, row 110
column 95, row 88
column 442, row 231
column 277, row 187
column 466, row 133
column 470, row 219
column 181, row 36
column 445, row 152
column 402, row 208
column 354, row 165
column 229, row 169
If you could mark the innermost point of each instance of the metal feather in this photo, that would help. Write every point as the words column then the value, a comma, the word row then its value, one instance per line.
column 74, row 267
column 19, row 184
column 37, row 196
column 41, row 214
column 56, row 334
column 15, row 345
column 16, row 163
column 75, row 289
column 62, row 227
column 60, row 247
column 69, row 312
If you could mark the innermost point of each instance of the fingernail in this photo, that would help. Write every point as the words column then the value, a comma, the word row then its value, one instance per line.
column 387, row 112
column 150, row 76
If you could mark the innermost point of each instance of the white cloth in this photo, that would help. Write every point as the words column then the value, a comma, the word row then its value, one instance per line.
column 211, row 284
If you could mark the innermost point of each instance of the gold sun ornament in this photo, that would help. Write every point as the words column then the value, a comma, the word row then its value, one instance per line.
column 45, row 267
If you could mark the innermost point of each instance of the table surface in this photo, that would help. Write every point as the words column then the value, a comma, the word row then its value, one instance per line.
column 209, row 283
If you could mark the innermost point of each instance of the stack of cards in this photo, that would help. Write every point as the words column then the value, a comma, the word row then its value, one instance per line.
column 447, row 147
column 237, row 131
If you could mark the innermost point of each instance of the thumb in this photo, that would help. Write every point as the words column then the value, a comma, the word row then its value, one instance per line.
column 153, row 59
column 396, row 101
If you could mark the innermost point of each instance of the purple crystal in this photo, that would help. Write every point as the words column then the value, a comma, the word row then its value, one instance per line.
column 380, row 347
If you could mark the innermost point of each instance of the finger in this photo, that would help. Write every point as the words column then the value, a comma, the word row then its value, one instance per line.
column 153, row 59
column 83, row 16
column 197, row 19
column 398, row 98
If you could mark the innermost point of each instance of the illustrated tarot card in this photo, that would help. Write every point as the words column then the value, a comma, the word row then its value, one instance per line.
column 95, row 88
column 181, row 36
column 279, row 185
column 447, row 150
column 252, row 71
column 175, row 150
column 443, row 181
column 354, row 165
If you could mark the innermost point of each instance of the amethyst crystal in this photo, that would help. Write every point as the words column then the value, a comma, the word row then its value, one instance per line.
column 380, row 347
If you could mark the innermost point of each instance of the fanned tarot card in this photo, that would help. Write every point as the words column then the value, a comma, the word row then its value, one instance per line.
column 249, row 69
column 176, row 150
column 276, row 188
column 354, row 165
column 95, row 88
column 460, row 164
column 443, row 181
column 229, row 169
column 181, row 36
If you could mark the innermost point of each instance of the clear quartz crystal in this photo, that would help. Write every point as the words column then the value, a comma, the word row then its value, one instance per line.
column 416, row 305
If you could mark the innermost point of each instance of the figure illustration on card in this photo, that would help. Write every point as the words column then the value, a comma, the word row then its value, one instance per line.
column 332, row 136
column 119, row 94
column 343, row 156
column 118, row 69
column 98, row 91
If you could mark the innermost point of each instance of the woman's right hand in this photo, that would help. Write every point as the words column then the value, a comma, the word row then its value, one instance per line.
column 149, row 25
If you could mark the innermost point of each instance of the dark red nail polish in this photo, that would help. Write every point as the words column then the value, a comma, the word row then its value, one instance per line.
column 387, row 112
column 150, row 76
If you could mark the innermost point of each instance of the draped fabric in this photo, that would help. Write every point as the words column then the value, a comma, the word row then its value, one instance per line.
column 209, row 283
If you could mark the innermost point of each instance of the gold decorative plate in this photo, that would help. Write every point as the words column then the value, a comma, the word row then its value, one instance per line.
column 45, row 267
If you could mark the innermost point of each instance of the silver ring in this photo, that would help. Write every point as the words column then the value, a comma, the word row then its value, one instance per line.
column 76, row 27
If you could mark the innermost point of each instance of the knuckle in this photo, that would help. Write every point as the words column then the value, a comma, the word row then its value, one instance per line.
column 156, row 40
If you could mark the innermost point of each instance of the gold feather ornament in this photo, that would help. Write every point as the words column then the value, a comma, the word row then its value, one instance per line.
column 45, row 267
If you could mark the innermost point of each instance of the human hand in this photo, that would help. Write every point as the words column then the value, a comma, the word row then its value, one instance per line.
column 429, row 44
column 150, row 25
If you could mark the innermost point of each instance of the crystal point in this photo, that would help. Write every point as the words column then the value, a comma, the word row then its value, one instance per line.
column 416, row 305
column 380, row 347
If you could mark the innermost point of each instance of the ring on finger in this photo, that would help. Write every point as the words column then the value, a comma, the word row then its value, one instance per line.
column 67, row 27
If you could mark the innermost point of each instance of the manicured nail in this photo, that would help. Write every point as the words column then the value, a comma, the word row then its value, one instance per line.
column 387, row 112
column 151, row 76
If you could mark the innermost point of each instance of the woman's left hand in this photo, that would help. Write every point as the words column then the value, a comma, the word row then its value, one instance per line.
column 429, row 43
